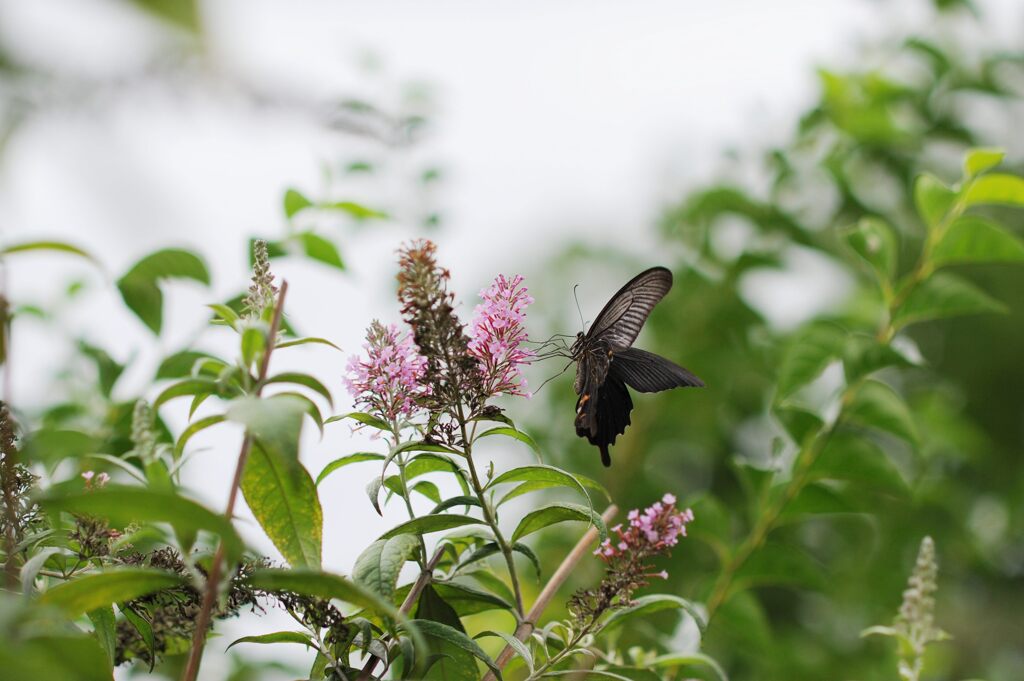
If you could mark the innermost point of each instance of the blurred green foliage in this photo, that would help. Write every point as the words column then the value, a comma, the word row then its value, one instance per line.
column 836, row 559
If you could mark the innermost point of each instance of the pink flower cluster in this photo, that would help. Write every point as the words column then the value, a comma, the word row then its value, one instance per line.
column 387, row 381
column 497, row 334
column 655, row 530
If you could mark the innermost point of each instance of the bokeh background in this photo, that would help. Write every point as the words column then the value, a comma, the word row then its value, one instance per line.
column 573, row 142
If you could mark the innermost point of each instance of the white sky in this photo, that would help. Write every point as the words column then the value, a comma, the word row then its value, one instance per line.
column 554, row 121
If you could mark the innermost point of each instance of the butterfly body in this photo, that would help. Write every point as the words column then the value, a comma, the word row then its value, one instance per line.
column 606, row 362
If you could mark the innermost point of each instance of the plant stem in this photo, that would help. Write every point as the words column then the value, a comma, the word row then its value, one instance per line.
column 568, row 564
column 213, row 579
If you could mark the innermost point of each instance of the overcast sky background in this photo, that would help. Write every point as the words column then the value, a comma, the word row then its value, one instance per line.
column 552, row 121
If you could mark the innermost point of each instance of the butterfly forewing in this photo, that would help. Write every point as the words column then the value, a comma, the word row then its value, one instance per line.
column 619, row 323
column 650, row 373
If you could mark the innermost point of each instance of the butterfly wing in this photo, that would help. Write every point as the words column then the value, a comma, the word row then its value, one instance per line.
column 619, row 322
column 647, row 372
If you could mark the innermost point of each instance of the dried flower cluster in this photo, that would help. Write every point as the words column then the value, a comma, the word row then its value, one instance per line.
column 916, row 619
column 262, row 294
column 16, row 482
column 650, row 532
column 387, row 382
column 498, row 334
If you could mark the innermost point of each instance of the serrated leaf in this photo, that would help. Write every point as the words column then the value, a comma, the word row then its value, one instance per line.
column 944, row 295
column 343, row 461
column 933, row 199
column 276, row 637
column 876, row 405
column 807, row 355
column 972, row 238
column 977, row 161
column 431, row 523
column 89, row 592
column 379, row 565
column 558, row 513
column 997, row 188
column 875, row 242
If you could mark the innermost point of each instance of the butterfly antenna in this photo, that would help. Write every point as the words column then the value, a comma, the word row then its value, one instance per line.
column 578, row 310
column 552, row 378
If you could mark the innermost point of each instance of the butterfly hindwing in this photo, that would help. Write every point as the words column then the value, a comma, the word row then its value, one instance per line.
column 647, row 372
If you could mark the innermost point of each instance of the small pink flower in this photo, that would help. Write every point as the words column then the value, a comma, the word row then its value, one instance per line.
column 497, row 335
column 386, row 382
column 653, row 530
column 88, row 476
column 102, row 479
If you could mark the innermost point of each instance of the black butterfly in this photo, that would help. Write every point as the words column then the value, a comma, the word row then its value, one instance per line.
column 606, row 363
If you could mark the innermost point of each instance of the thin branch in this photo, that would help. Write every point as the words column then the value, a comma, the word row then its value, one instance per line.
column 213, row 579
column 526, row 627
column 426, row 575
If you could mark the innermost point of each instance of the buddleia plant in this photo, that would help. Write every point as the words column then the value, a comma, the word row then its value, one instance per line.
column 914, row 626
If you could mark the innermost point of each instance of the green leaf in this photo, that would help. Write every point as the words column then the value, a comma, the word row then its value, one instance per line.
column 276, row 421
column 997, row 188
column 646, row 605
column 343, row 461
column 979, row 160
column 57, row 246
column 55, row 658
column 108, row 369
column 864, row 355
column 322, row 585
column 875, row 242
column 535, row 485
column 807, row 355
column 972, row 238
column 189, row 386
column 775, row 564
column 303, row 380
column 442, row 632
column 320, row 249
column 856, row 459
column 876, row 405
column 357, row 211
column 676, row 660
column 512, row 433
column 144, row 628
column 180, row 364
column 123, row 506
column 558, row 513
column 294, row 201
column 360, row 417
column 521, row 649
column 276, row 637
column 140, row 288
column 103, row 625
column 254, row 340
column 469, row 601
column 431, row 523
column 816, row 499
column 453, row 663
column 944, row 295
column 373, row 491
column 452, row 502
column 556, row 477
column 933, row 199
column 379, row 565
column 90, row 592
column 799, row 423
column 30, row 570
column 305, row 341
column 282, row 496
column 193, row 428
